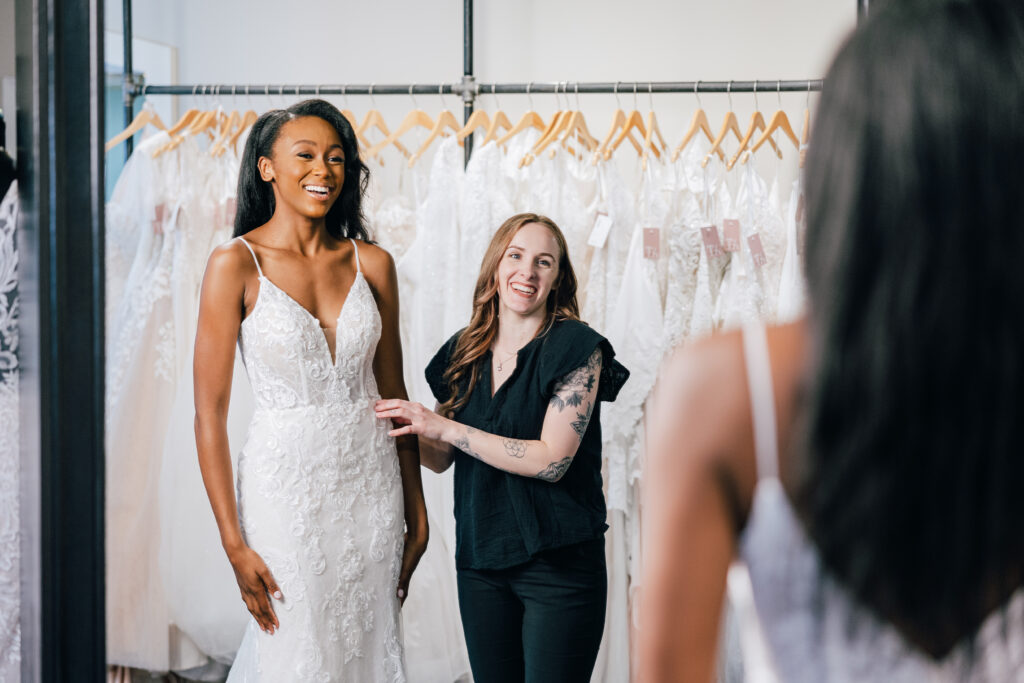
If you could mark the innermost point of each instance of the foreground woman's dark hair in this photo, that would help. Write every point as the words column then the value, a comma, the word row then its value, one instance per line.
column 256, row 197
column 915, row 415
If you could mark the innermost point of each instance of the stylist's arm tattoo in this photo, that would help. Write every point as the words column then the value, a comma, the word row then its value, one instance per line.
column 573, row 388
column 555, row 470
column 462, row 443
column 514, row 447
column 582, row 420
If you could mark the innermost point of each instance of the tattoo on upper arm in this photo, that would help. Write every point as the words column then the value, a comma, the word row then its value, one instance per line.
column 514, row 447
column 555, row 470
column 582, row 420
column 574, row 387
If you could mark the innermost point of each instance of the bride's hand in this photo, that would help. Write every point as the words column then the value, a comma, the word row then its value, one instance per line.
column 257, row 585
column 415, row 546
column 412, row 418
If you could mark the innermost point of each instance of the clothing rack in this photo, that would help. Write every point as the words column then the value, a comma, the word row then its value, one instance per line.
column 468, row 88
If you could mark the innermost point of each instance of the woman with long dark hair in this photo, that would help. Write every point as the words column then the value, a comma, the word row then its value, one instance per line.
column 519, row 392
column 329, row 521
column 866, row 464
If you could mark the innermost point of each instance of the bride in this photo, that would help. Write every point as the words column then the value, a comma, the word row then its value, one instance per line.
column 317, row 540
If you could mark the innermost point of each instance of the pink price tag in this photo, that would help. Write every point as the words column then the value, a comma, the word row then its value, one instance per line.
column 159, row 213
column 757, row 250
column 731, row 227
column 801, row 224
column 712, row 245
column 652, row 243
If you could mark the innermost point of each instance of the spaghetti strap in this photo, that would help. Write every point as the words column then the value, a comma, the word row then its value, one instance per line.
column 356, row 247
column 762, row 400
column 258, row 269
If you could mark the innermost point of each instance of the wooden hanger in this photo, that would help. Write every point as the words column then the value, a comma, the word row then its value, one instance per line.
column 572, row 128
column 649, row 141
column 730, row 124
column 245, row 124
column 779, row 121
column 478, row 119
column 807, row 127
column 217, row 147
column 374, row 119
column 499, row 121
column 530, row 119
column 445, row 121
column 415, row 118
column 756, row 123
column 558, row 123
column 618, row 122
column 175, row 132
column 698, row 124
column 144, row 118
column 634, row 121
column 652, row 131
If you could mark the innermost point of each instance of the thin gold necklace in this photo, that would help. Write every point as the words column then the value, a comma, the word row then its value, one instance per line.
column 510, row 357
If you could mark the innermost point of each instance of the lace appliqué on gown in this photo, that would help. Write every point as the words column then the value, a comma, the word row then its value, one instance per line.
column 320, row 495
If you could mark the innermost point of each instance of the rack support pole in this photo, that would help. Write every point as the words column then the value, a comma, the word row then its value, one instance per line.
column 468, row 81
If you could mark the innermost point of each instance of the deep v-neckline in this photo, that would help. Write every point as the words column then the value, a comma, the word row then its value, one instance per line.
column 333, row 358
column 312, row 318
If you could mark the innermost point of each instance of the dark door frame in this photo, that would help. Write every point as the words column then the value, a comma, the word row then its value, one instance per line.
column 59, row 49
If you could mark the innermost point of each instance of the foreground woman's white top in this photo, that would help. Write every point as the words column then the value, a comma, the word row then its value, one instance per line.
column 810, row 641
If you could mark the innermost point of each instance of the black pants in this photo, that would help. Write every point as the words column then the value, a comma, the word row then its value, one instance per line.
column 536, row 622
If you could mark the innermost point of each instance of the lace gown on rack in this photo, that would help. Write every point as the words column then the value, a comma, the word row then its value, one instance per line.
column 10, row 553
column 319, row 495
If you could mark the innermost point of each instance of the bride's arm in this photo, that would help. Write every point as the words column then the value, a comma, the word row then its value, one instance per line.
column 387, row 369
column 547, row 458
column 221, row 305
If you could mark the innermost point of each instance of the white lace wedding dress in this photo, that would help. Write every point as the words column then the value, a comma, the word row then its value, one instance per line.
column 320, row 496
column 10, row 552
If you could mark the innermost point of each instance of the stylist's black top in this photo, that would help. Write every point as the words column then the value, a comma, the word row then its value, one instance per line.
column 504, row 519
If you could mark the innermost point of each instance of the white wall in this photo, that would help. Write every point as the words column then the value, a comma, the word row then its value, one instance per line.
column 403, row 41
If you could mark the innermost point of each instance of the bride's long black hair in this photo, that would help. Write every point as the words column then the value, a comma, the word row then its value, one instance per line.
column 914, row 483
column 256, row 197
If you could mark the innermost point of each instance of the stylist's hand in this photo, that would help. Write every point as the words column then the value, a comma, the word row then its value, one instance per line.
column 412, row 418
column 257, row 585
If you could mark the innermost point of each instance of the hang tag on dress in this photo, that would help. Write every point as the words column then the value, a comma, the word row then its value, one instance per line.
column 652, row 243
column 599, row 234
column 757, row 250
column 159, row 214
column 801, row 224
column 731, row 241
column 712, row 245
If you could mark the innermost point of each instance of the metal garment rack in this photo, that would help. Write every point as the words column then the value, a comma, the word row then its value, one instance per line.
column 468, row 88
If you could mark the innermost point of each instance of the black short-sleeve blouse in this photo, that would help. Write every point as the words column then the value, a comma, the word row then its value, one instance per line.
column 504, row 519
